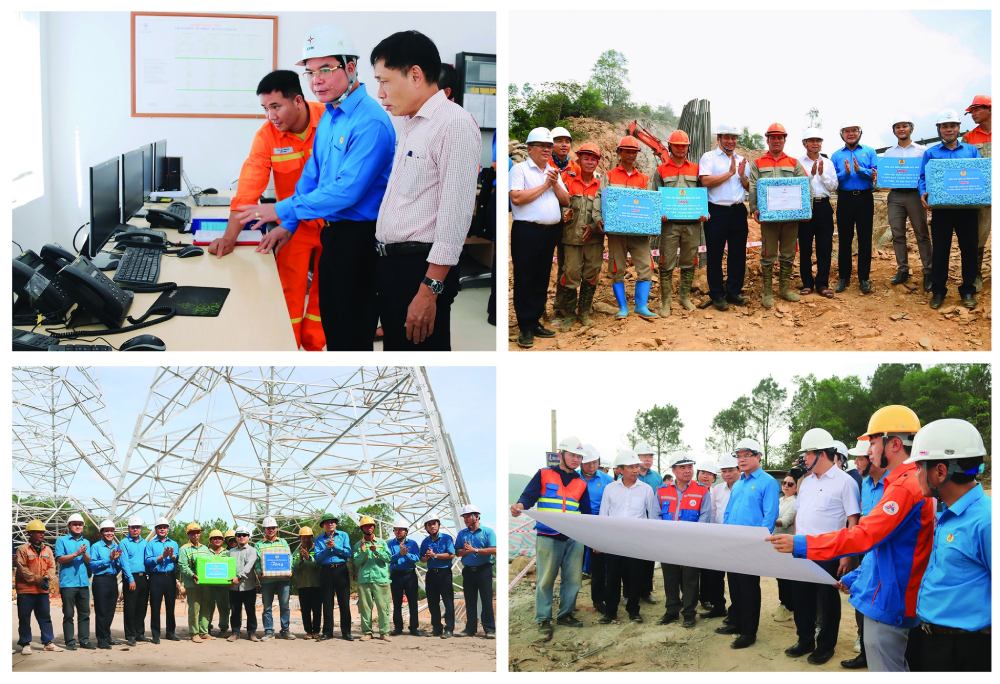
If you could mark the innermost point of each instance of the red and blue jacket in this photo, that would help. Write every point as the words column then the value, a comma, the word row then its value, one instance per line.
column 899, row 532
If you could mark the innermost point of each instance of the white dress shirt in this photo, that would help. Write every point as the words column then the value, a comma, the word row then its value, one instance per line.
column 825, row 502
column 637, row 501
column 911, row 150
column 544, row 209
column 715, row 162
column 822, row 184
column 720, row 499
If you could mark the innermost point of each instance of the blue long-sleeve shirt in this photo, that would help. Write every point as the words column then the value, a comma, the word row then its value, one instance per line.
column 348, row 170
column 482, row 538
column 861, row 179
column 134, row 554
column 939, row 151
column 443, row 544
column 154, row 549
column 74, row 573
column 338, row 555
column 595, row 489
column 101, row 563
column 406, row 560
column 871, row 492
column 753, row 501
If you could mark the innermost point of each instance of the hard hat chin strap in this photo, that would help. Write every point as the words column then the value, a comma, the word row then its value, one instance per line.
column 352, row 79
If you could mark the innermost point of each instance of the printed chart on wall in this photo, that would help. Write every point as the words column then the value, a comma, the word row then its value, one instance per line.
column 200, row 65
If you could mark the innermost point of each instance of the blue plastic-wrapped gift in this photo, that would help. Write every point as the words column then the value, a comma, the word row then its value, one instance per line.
column 784, row 199
column 958, row 182
column 684, row 204
column 898, row 172
column 629, row 211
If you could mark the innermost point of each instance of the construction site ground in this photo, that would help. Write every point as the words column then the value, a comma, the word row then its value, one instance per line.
column 403, row 653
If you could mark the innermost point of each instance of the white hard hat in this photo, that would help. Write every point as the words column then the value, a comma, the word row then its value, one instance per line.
column 106, row 525
column 947, row 439
column 816, row 439
column 539, row 135
column 903, row 119
column 135, row 521
column 571, row 444
column 76, row 517
column 727, row 461
column 812, row 132
column 626, row 457
column 399, row 522
column 948, row 116
column 859, row 449
column 681, row 460
column 162, row 521
column 270, row 522
column 469, row 508
column 326, row 41
column 242, row 529
column 726, row 129
column 751, row 444
column 840, row 447
column 708, row 467
column 560, row 132
column 850, row 125
column 591, row 454
column 644, row 448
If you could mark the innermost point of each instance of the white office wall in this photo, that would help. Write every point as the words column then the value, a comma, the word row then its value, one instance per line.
column 87, row 103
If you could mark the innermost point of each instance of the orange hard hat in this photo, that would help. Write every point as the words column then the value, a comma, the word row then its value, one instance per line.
column 679, row 137
column 589, row 148
column 776, row 129
column 628, row 143
column 980, row 101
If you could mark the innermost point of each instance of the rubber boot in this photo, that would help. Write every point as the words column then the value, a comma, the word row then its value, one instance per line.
column 619, row 290
column 568, row 305
column 767, row 294
column 978, row 282
column 557, row 304
column 687, row 277
column 784, row 278
column 586, row 303
column 666, row 289
column 642, row 288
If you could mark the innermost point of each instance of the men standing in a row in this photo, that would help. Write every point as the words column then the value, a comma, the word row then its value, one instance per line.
column 822, row 183
column 332, row 551
column 437, row 550
column 476, row 546
column 162, row 554
column 105, row 563
column 73, row 554
column 404, row 556
column 856, row 174
column 594, row 563
column 904, row 203
column 35, row 571
column 582, row 244
column 981, row 137
column 136, row 599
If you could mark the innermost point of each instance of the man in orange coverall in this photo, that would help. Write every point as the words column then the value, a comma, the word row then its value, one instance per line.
column 282, row 146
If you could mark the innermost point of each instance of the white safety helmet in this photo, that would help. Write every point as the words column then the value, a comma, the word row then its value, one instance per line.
column 107, row 525
column 269, row 521
column 644, row 448
column 242, row 529
column 726, row 129
column 626, row 457
column 681, row 460
column 727, row 461
column 841, row 448
column 859, row 449
column 947, row 439
column 135, row 521
column 399, row 523
column 76, row 517
column 811, row 133
column 948, row 116
column 539, row 135
column 591, row 454
column 750, row 444
column 571, row 444
column 904, row 119
column 469, row 508
column 162, row 521
column 327, row 41
column 560, row 132
column 850, row 125
column 816, row 439
column 709, row 467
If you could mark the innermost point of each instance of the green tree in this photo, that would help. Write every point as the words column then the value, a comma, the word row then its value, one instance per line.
column 886, row 383
column 728, row 426
column 765, row 413
column 609, row 76
column 750, row 141
column 661, row 427
column 841, row 406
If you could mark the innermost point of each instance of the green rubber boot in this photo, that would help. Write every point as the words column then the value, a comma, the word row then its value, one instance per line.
column 568, row 307
column 784, row 280
column 687, row 278
column 767, row 294
column 586, row 303
column 666, row 289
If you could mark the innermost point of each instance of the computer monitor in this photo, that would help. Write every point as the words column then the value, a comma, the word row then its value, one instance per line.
column 132, row 183
column 147, row 169
column 105, row 210
column 159, row 163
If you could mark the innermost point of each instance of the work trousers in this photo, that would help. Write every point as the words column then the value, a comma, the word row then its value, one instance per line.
column 347, row 297
column 371, row 595
column 532, row 246
column 268, row 590
column 439, row 589
column 311, row 607
column 136, row 603
column 598, row 577
column 336, row 580
column 581, row 264
column 642, row 256
column 37, row 605
column 239, row 602
column 985, row 224
column 786, row 593
column 76, row 600
column 779, row 242
column 215, row 599
column 105, row 589
column 398, row 281
column 744, row 592
column 902, row 204
column 855, row 213
column 563, row 557
column 404, row 584
column 197, row 602
column 477, row 588
column 626, row 572
column 678, row 581
column 885, row 646
column 679, row 237
column 963, row 222
column 726, row 231
column 650, row 569
column 811, row 600
column 820, row 230
column 956, row 652
column 712, row 588
column 294, row 261
column 162, row 591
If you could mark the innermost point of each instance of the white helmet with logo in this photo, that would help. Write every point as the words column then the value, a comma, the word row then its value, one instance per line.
column 727, row 461
column 539, row 135
column 591, row 454
column 326, row 41
column 726, row 129
column 626, row 457
column 571, row 444
column 945, row 440
column 708, row 467
column 816, row 439
column 948, row 116
column 269, row 521
column 560, row 132
column 750, row 444
column 135, row 521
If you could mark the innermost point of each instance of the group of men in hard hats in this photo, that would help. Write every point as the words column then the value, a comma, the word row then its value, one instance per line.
column 152, row 571
column 556, row 206
column 920, row 525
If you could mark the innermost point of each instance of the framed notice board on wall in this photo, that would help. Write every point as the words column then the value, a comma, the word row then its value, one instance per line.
column 200, row 65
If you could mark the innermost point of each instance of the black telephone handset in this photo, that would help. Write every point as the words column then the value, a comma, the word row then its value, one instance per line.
column 141, row 237
column 164, row 218
column 95, row 293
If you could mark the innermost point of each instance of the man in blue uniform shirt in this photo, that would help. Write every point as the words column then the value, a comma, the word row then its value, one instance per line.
column 593, row 563
column 72, row 553
column 332, row 550
column 403, row 577
column 437, row 550
column 106, row 560
column 477, row 547
column 856, row 166
column 136, row 600
column 161, row 564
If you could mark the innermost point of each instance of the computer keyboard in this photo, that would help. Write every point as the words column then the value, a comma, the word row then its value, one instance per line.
column 81, row 347
column 181, row 209
column 139, row 266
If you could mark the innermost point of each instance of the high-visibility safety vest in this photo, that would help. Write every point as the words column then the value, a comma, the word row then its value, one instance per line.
column 558, row 497
column 690, row 501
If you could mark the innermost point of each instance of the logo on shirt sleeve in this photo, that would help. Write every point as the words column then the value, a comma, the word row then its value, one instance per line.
column 950, row 538
column 890, row 508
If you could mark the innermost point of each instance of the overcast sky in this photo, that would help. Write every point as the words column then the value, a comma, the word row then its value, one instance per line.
column 870, row 68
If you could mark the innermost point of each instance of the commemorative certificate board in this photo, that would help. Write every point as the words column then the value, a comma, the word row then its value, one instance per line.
column 898, row 172
column 784, row 199
column 214, row 569
column 275, row 563
column 630, row 211
column 960, row 183
column 684, row 204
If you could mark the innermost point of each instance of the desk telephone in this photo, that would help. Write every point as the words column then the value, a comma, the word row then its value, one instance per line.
column 141, row 237
column 176, row 216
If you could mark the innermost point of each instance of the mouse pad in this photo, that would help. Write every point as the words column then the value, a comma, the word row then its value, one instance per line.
column 194, row 301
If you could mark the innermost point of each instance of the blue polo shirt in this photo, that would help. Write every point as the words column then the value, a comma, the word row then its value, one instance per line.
column 348, row 170
column 338, row 555
column 595, row 489
column 154, row 549
column 871, row 492
column 652, row 478
column 74, row 573
column 135, row 554
column 101, row 563
column 939, row 151
column 753, row 501
column 480, row 539
column 956, row 589
column 405, row 561
column 443, row 544
column 867, row 161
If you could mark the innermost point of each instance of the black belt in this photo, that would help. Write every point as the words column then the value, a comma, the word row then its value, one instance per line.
column 138, row 574
column 476, row 567
column 161, row 573
column 333, row 566
column 929, row 628
column 820, row 199
column 903, row 190
column 400, row 573
column 536, row 223
column 402, row 248
column 438, row 569
column 854, row 192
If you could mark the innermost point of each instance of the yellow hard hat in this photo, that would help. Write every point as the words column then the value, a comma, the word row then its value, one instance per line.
column 366, row 520
column 215, row 533
column 892, row 419
column 305, row 532
column 193, row 527
column 230, row 534
column 35, row 526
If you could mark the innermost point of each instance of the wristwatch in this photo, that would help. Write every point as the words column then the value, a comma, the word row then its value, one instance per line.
column 436, row 286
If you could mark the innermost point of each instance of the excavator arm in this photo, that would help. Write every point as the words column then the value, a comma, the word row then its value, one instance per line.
column 660, row 150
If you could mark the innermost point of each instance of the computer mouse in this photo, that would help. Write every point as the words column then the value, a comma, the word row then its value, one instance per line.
column 190, row 251
column 143, row 343
column 210, row 191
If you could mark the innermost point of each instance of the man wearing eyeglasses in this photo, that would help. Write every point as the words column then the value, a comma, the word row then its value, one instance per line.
column 342, row 183
column 160, row 558
column 856, row 175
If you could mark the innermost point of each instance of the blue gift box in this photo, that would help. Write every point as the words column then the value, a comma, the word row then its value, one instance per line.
column 898, row 172
column 958, row 182
column 629, row 211
column 799, row 183
column 684, row 204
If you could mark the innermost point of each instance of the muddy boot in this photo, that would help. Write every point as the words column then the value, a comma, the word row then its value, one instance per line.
column 586, row 303
column 784, row 283
column 978, row 282
column 767, row 294
column 666, row 289
column 642, row 288
column 557, row 303
column 687, row 277
column 568, row 305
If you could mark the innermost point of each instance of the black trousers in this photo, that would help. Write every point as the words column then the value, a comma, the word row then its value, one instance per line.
column 162, row 591
column 136, row 603
column 678, row 581
column 745, row 593
column 965, row 224
column 75, row 600
column 244, row 601
column 712, row 588
column 477, row 587
column 404, row 584
column 105, row 588
column 598, row 577
column 439, row 589
column 532, row 247
column 335, row 579
column 347, row 285
column 820, row 229
column 786, row 593
column 311, row 605
column 726, row 231
column 855, row 213
column 626, row 572
column 961, row 652
column 812, row 601
column 491, row 304
column 398, row 281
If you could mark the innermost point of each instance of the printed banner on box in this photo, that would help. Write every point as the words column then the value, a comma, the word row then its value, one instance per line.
column 898, row 172
column 276, row 563
column 630, row 211
column 684, row 204
column 215, row 569
column 784, row 199
column 958, row 182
